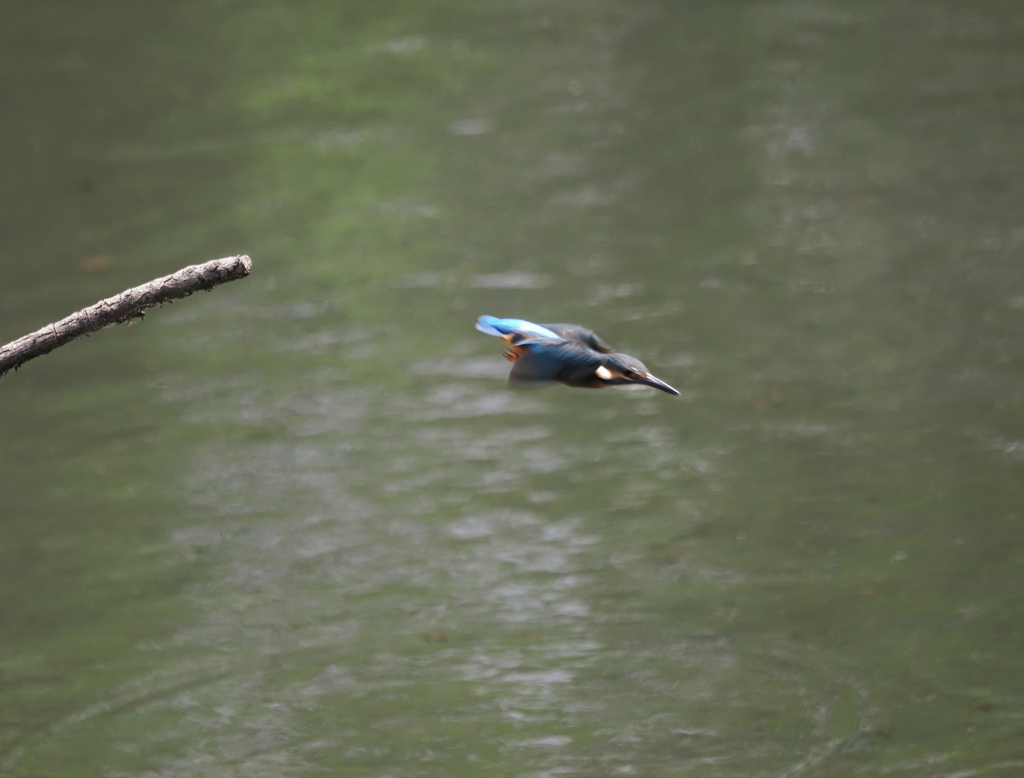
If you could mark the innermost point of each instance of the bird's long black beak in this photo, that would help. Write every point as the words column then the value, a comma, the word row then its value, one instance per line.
column 657, row 383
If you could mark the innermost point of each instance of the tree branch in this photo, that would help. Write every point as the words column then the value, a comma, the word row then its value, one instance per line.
column 130, row 304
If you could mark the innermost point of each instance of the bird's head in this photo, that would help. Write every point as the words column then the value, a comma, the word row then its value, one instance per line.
column 617, row 369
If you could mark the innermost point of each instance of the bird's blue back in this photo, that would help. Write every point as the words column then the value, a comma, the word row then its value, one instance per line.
column 492, row 325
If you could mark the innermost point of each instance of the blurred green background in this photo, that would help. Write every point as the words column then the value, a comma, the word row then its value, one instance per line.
column 299, row 526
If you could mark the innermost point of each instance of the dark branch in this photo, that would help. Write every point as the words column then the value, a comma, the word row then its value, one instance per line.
column 130, row 304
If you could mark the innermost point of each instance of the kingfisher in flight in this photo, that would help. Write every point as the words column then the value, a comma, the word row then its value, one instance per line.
column 565, row 353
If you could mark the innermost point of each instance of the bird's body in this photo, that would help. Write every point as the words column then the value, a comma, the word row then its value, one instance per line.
column 567, row 354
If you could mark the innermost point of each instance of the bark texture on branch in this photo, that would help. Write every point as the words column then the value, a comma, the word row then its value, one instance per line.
column 130, row 304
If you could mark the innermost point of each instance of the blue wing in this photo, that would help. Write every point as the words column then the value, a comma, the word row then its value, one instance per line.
column 512, row 329
column 543, row 361
column 585, row 336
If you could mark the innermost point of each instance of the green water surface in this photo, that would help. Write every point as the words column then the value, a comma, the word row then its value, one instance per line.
column 299, row 526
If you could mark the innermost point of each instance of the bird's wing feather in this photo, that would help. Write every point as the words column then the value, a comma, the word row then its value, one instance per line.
column 545, row 360
column 582, row 334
